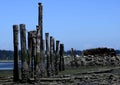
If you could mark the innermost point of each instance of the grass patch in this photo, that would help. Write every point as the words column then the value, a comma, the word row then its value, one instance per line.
column 6, row 73
column 68, row 70
column 86, row 69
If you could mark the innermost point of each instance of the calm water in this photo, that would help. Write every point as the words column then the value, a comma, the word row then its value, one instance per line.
column 7, row 65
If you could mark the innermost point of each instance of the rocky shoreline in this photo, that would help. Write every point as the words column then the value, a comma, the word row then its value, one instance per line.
column 93, row 61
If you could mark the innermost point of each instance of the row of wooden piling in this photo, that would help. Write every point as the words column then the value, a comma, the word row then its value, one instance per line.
column 42, row 58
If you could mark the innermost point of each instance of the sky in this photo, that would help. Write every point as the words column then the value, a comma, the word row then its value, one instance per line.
column 78, row 24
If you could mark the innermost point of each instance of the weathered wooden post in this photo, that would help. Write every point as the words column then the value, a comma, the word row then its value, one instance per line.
column 42, row 65
column 74, row 58
column 33, row 55
column 33, row 63
column 52, row 55
column 53, row 58
column 53, row 48
column 62, row 56
column 39, row 54
column 61, row 66
column 30, row 56
column 24, row 63
column 16, row 67
column 72, row 54
column 47, row 54
column 56, row 58
column 37, row 58
column 40, row 9
column 44, row 52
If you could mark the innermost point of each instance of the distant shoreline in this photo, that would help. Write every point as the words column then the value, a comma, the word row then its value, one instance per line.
column 1, row 61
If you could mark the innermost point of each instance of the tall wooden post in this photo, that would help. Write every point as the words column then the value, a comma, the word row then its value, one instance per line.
column 39, row 53
column 40, row 9
column 54, row 52
column 74, row 58
column 40, row 15
column 62, row 56
column 47, row 54
column 52, row 55
column 23, row 53
column 42, row 64
column 72, row 54
column 61, row 64
column 53, row 58
column 16, row 67
column 30, row 57
column 44, row 51
column 33, row 55
column 37, row 58
column 56, row 58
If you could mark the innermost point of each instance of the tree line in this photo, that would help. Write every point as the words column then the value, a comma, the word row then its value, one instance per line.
column 8, row 54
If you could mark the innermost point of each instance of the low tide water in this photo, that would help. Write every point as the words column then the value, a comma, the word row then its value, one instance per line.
column 7, row 65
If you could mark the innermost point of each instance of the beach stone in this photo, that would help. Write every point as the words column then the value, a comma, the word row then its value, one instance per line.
column 95, row 61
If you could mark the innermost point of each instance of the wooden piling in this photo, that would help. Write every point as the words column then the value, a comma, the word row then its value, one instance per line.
column 53, row 58
column 62, row 56
column 16, row 54
column 44, row 52
column 42, row 66
column 74, row 58
column 61, row 64
column 24, row 63
column 72, row 54
column 40, row 9
column 53, row 51
column 47, row 54
column 33, row 60
column 37, row 58
column 40, row 15
column 56, row 58
column 33, row 55
column 52, row 55
column 30, row 57
column 39, row 53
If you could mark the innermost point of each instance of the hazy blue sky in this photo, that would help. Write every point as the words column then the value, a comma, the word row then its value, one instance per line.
column 80, row 24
